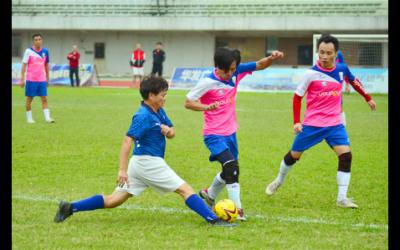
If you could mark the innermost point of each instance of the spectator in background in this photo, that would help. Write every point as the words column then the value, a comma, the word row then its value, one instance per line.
column 73, row 58
column 158, row 59
column 137, row 61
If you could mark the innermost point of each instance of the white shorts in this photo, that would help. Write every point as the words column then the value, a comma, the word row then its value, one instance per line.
column 149, row 171
column 138, row 71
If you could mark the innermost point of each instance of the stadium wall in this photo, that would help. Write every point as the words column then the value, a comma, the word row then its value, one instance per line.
column 189, row 49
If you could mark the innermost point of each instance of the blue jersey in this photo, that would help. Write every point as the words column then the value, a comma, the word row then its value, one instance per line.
column 146, row 130
column 340, row 58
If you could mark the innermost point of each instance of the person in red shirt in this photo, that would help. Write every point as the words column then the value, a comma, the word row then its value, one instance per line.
column 137, row 61
column 73, row 58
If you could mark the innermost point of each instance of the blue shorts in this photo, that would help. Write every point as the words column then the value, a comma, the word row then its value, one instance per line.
column 35, row 89
column 218, row 144
column 310, row 136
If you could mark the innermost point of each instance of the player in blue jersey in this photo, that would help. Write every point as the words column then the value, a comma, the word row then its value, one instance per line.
column 147, row 168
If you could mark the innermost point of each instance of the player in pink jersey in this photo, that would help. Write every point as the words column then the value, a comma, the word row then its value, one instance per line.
column 36, row 64
column 216, row 96
column 322, row 118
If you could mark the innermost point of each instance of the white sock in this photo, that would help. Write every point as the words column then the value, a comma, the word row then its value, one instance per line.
column 216, row 186
column 46, row 114
column 29, row 115
column 343, row 181
column 284, row 169
column 234, row 193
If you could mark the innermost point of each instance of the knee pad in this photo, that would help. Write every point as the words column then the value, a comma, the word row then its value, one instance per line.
column 289, row 160
column 345, row 162
column 230, row 172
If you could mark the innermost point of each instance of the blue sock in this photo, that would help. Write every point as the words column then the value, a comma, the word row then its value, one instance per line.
column 197, row 204
column 91, row 203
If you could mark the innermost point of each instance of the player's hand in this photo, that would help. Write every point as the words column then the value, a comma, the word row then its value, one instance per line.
column 164, row 129
column 122, row 178
column 297, row 128
column 372, row 105
column 21, row 83
column 212, row 106
column 276, row 55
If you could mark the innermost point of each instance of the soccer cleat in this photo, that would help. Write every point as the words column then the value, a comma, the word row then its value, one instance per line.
column 50, row 120
column 204, row 195
column 31, row 121
column 222, row 223
column 63, row 212
column 272, row 187
column 241, row 216
column 347, row 203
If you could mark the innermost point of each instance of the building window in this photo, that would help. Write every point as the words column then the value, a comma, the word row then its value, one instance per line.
column 16, row 45
column 99, row 50
column 304, row 54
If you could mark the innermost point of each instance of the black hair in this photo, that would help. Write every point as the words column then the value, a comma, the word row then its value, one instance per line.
column 327, row 38
column 35, row 35
column 238, row 58
column 223, row 58
column 152, row 84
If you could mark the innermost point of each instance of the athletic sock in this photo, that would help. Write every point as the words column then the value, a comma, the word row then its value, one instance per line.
column 216, row 186
column 29, row 115
column 91, row 203
column 284, row 169
column 46, row 114
column 234, row 193
column 195, row 203
column 343, row 181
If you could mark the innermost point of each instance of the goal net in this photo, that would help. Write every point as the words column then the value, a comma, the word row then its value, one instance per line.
column 360, row 50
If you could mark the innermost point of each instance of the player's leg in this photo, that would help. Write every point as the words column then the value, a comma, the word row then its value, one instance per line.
column 340, row 143
column 28, row 108
column 154, row 70
column 78, row 80
column 95, row 202
column 71, row 76
column 160, row 69
column 42, row 92
column 30, row 93
column 309, row 137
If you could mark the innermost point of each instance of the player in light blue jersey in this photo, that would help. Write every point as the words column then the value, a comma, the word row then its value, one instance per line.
column 147, row 168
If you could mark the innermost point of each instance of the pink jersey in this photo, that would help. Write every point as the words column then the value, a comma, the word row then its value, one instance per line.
column 36, row 61
column 324, row 94
column 220, row 121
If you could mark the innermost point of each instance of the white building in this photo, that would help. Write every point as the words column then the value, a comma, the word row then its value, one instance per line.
column 106, row 31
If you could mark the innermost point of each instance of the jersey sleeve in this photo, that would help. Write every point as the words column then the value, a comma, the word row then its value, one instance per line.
column 139, row 126
column 167, row 120
column 340, row 57
column 303, row 85
column 199, row 90
column 349, row 75
column 246, row 67
column 25, row 58
column 47, row 56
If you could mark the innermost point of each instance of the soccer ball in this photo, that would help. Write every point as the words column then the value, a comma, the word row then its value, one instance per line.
column 226, row 210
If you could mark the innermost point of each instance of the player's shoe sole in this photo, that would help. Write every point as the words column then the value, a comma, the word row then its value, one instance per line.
column 204, row 195
column 64, row 211
column 272, row 188
column 346, row 203
column 50, row 121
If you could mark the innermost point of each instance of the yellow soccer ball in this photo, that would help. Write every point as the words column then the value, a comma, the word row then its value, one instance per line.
column 226, row 210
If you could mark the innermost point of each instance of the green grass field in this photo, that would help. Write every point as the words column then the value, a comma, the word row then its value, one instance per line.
column 78, row 157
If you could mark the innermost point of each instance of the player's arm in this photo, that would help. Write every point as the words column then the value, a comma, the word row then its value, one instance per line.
column 297, row 127
column 167, row 131
column 267, row 61
column 357, row 85
column 198, row 106
column 123, row 159
column 46, row 68
column 22, row 80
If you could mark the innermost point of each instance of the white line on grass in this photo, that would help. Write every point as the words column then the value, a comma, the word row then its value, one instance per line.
column 177, row 210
